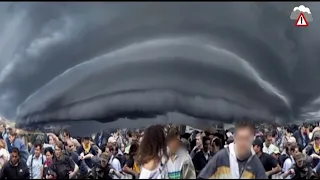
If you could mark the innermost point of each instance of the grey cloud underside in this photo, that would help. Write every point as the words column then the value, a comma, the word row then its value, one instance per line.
column 104, row 61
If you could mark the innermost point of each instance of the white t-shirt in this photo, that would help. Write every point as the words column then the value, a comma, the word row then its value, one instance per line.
column 4, row 156
column 270, row 149
column 287, row 165
column 116, row 165
column 147, row 174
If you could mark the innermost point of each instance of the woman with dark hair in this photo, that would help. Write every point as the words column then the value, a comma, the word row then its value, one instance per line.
column 152, row 154
column 47, row 172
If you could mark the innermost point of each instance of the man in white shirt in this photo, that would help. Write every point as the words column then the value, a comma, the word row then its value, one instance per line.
column 268, row 147
column 291, row 149
column 35, row 162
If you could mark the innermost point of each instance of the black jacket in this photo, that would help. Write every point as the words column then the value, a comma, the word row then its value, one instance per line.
column 199, row 161
column 10, row 171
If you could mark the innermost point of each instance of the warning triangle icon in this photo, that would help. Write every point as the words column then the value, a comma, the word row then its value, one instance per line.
column 302, row 20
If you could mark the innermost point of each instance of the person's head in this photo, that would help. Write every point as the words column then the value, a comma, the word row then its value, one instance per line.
column 257, row 146
column 299, row 159
column 51, row 140
column 276, row 153
column 316, row 137
column 37, row 149
column 206, row 143
column 15, row 155
column 66, row 134
column 243, row 137
column 49, row 153
column 135, row 136
column 198, row 139
column 70, row 146
column 269, row 139
column 173, row 139
column 122, row 148
column 304, row 129
column 12, row 136
column 216, row 144
column 133, row 149
column 114, row 149
column 3, row 144
column 108, row 148
column 153, row 145
column 292, row 148
column 104, row 159
column 86, row 141
column 59, row 149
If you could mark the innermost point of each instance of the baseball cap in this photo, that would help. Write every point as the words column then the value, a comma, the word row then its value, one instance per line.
column 316, row 134
column 276, row 150
column 258, row 142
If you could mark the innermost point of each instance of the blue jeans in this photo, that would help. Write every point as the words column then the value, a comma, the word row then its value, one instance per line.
column 317, row 168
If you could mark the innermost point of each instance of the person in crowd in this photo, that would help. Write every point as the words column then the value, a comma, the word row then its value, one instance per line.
column 216, row 144
column 100, row 140
column 71, row 151
column 179, row 164
column 131, row 166
column 4, row 154
column 302, row 137
column 301, row 169
column 152, row 155
column 86, row 152
column 132, row 138
column 104, row 169
column 17, row 143
column 268, row 147
column 198, row 146
column 313, row 150
column 66, row 135
column 36, row 162
column 238, row 160
column 270, row 164
column 47, row 172
column 15, row 168
column 202, row 157
column 288, row 159
column 114, row 161
column 6, row 133
column 63, row 165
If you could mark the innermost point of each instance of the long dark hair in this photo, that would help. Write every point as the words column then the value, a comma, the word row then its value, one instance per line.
column 153, row 143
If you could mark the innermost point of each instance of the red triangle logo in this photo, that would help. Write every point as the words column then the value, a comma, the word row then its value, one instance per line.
column 302, row 21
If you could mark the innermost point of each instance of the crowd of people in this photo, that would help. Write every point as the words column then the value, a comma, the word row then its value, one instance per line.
column 163, row 152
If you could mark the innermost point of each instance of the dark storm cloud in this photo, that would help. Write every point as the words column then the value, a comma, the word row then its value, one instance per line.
column 207, row 60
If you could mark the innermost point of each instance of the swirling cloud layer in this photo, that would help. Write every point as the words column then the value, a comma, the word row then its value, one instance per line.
column 64, row 62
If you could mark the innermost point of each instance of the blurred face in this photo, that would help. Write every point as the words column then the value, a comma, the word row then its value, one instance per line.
column 243, row 139
column 70, row 147
column 276, row 156
column 51, row 141
column 206, row 145
column 104, row 163
column 58, row 152
column 65, row 136
column 198, row 139
column 256, row 149
column 108, row 150
column 37, row 151
column 86, row 142
column 268, row 141
column 11, row 138
column 49, row 156
column 173, row 145
column 299, row 163
column 14, row 158
column 122, row 148
column 317, row 141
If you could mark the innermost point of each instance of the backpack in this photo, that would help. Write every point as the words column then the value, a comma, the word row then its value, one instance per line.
column 42, row 162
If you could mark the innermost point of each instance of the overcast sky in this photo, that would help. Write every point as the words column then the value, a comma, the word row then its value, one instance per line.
column 206, row 60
